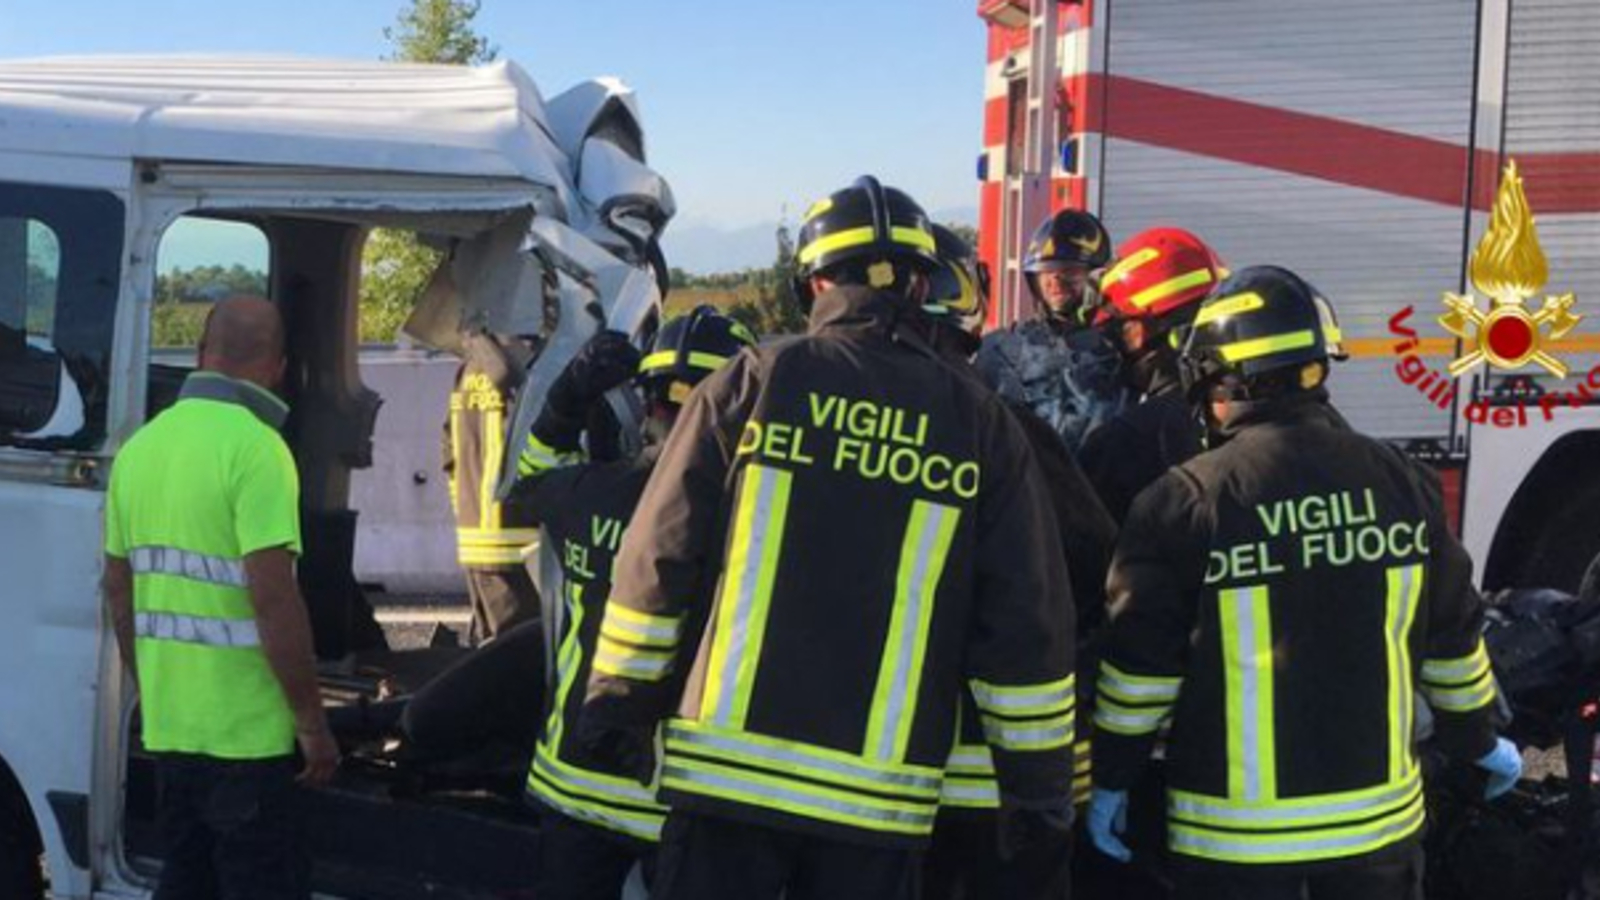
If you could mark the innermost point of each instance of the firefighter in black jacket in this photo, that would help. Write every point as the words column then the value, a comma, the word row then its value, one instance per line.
column 842, row 535
column 1148, row 296
column 968, row 856
column 489, row 537
column 1278, row 599
column 598, row 824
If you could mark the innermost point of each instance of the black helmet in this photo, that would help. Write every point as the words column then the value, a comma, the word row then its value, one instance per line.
column 863, row 234
column 1071, row 237
column 1259, row 320
column 687, row 349
column 958, row 293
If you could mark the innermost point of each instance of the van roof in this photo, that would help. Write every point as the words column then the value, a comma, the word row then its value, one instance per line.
column 270, row 110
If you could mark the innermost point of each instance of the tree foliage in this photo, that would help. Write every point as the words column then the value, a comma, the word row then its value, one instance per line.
column 184, row 297
column 395, row 266
column 772, row 307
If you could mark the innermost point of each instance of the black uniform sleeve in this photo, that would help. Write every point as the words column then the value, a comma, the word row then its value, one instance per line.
column 1021, row 648
column 1088, row 532
column 1457, row 679
column 668, row 561
column 1153, row 591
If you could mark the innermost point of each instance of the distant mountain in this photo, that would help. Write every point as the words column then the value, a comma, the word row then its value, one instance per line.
column 707, row 250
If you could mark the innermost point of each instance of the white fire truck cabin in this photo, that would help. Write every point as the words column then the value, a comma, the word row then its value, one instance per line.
column 1360, row 144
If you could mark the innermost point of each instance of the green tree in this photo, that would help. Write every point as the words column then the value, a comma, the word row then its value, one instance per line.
column 775, row 309
column 395, row 266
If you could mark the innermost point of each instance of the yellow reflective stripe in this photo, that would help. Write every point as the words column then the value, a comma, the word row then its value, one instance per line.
column 1230, row 305
column 1124, row 266
column 801, row 760
column 1239, row 351
column 855, row 237
column 1284, row 813
column 970, row 759
column 850, row 237
column 629, row 625
column 489, row 556
column 501, row 537
column 745, row 597
column 1461, row 700
column 617, row 804
column 537, row 456
column 1404, row 594
column 1247, row 665
column 455, row 457
column 627, row 661
column 1299, row 845
column 1462, row 684
column 1458, row 671
column 923, row 553
column 568, row 659
column 1030, row 734
column 1025, row 699
column 1131, row 721
column 797, row 798
column 1156, row 293
column 667, row 358
column 914, row 237
column 1128, row 688
column 493, row 454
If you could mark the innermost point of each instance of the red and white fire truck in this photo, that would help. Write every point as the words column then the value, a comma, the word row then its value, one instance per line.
column 1361, row 144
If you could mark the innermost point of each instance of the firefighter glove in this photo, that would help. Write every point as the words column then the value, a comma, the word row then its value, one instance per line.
column 1108, row 819
column 607, row 361
column 1504, row 765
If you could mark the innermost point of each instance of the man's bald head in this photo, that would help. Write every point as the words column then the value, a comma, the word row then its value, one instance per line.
column 244, row 340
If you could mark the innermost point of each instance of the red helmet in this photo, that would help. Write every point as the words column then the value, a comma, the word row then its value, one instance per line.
column 1159, row 271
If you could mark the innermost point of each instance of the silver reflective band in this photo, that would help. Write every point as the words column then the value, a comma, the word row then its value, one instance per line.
column 1001, row 699
column 969, row 757
column 1294, row 845
column 788, row 760
column 745, row 593
column 196, row 630
column 1140, row 721
column 1135, row 690
column 956, row 792
column 1469, row 668
column 573, row 778
column 639, row 633
column 786, row 797
column 185, row 564
column 1283, row 814
column 902, row 648
column 1021, row 737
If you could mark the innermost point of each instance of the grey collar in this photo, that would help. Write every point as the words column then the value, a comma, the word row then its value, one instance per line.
column 214, row 386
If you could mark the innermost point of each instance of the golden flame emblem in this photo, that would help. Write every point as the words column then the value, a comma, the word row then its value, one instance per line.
column 1509, row 266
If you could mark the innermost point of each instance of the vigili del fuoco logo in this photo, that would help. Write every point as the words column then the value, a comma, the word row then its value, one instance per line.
column 1509, row 268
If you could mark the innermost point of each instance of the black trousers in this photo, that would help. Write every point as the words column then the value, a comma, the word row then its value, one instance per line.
column 230, row 830
column 963, row 863
column 578, row 861
column 1387, row 876
column 707, row 858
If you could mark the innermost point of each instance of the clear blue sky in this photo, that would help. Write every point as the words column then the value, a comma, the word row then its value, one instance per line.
column 749, row 106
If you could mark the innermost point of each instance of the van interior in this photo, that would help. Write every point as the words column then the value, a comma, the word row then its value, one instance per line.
column 398, row 822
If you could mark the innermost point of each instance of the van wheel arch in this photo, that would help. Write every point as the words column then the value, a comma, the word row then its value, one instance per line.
column 1551, row 528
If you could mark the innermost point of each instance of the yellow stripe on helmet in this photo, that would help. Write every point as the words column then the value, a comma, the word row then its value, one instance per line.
column 1239, row 351
column 1229, row 306
column 1156, row 293
column 1124, row 266
column 665, row 359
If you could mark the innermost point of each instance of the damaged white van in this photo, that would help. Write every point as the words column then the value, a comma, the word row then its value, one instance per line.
column 549, row 219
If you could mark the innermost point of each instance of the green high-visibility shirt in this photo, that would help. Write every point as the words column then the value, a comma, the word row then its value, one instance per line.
column 195, row 491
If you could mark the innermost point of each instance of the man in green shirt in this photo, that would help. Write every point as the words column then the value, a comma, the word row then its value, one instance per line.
column 202, row 531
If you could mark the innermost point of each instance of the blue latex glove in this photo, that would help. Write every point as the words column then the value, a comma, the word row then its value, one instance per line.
column 1108, row 817
column 1504, row 765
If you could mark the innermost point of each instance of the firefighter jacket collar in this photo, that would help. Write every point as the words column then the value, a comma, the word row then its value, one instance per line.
column 1309, row 407
column 215, row 386
column 856, row 308
column 1163, row 380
